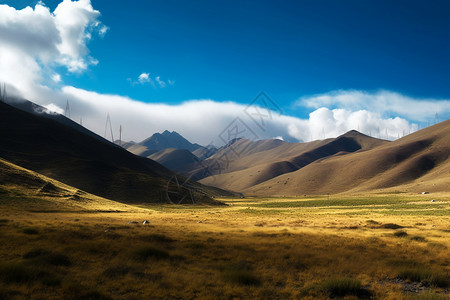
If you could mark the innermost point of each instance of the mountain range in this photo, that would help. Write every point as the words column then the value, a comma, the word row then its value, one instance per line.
column 352, row 162
column 59, row 148
column 56, row 147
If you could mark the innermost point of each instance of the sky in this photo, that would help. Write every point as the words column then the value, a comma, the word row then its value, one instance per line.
column 211, row 70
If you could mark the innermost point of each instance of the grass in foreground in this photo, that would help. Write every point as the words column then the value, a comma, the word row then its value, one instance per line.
column 308, row 252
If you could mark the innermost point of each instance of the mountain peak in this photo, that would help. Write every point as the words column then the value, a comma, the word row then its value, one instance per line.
column 167, row 139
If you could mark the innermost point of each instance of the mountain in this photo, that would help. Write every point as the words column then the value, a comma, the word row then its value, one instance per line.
column 168, row 140
column 177, row 160
column 165, row 140
column 154, row 147
column 85, row 161
column 416, row 163
column 251, row 163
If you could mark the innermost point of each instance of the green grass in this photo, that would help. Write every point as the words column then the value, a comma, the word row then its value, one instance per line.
column 387, row 205
column 345, row 202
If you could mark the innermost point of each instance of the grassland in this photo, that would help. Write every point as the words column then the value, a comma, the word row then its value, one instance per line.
column 376, row 247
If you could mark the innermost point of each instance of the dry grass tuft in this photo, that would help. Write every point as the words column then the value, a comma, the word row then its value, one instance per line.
column 342, row 286
column 425, row 276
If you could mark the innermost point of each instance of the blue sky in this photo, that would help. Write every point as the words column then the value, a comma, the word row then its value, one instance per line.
column 232, row 50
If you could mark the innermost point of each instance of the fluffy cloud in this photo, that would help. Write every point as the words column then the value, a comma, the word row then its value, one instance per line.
column 34, row 41
column 144, row 78
column 383, row 102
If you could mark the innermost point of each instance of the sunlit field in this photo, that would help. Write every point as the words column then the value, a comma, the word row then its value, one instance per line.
column 376, row 247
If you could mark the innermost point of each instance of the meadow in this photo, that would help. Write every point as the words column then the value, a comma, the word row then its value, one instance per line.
column 386, row 246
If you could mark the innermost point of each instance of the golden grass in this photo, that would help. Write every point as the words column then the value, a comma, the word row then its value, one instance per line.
column 252, row 248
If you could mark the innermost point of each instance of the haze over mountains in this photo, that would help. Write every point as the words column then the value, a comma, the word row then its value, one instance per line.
column 57, row 147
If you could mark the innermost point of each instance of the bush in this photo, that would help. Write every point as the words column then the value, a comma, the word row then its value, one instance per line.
column 30, row 231
column 339, row 287
column 400, row 233
column 391, row 226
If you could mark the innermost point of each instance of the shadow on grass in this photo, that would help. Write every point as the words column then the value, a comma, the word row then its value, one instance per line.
column 145, row 252
column 343, row 286
column 240, row 274
column 22, row 274
column 44, row 257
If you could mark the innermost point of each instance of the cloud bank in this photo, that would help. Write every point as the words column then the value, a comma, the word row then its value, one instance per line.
column 206, row 121
column 382, row 102
column 35, row 42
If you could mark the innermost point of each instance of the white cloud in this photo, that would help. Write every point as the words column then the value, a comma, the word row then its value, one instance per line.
column 54, row 108
column 204, row 121
column 75, row 21
column 145, row 78
column 34, row 41
column 56, row 78
column 385, row 103
column 160, row 82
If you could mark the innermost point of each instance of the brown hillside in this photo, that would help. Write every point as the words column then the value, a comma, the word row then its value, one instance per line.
column 258, row 167
column 414, row 163
column 176, row 160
